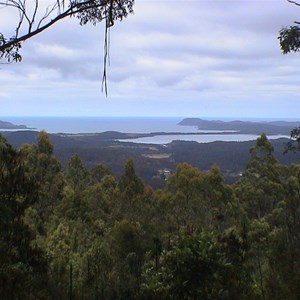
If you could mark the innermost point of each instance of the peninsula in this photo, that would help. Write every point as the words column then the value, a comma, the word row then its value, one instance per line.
column 242, row 127
column 4, row 125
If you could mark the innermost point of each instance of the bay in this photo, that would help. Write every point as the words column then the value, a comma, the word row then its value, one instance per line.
column 205, row 138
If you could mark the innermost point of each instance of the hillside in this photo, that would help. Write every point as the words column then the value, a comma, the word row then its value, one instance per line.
column 8, row 125
column 246, row 127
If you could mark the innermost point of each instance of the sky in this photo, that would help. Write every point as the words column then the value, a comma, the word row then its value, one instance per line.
column 187, row 58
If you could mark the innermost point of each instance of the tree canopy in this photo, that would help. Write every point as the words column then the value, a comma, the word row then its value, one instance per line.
column 65, row 235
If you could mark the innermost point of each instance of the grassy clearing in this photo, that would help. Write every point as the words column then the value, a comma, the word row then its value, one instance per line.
column 158, row 155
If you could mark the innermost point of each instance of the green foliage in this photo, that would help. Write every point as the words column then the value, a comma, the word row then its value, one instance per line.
column 284, row 239
column 130, row 184
column 261, row 154
column 260, row 188
column 289, row 39
column 21, row 264
column 234, row 245
column 112, row 11
column 294, row 142
column 76, row 174
column 11, row 52
column 87, row 235
column 46, row 172
column 202, row 200
column 193, row 268
column 98, row 172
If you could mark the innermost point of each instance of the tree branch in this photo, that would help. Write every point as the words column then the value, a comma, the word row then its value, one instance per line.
column 293, row 2
column 93, row 11
column 69, row 12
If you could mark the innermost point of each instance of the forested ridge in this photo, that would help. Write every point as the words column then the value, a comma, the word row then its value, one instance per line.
column 150, row 159
column 82, row 233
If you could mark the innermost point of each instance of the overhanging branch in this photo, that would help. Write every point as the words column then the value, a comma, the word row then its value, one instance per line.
column 89, row 11
column 73, row 10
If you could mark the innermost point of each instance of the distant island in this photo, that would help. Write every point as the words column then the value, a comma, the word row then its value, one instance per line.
column 242, row 127
column 7, row 125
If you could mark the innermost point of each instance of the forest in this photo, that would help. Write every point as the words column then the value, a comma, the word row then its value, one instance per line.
column 150, row 159
column 82, row 233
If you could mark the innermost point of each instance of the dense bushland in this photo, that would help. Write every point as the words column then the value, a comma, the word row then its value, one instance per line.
column 84, row 234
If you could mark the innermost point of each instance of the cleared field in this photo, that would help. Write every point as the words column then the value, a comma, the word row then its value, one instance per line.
column 158, row 155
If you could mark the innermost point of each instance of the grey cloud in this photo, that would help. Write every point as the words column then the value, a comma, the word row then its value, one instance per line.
column 170, row 49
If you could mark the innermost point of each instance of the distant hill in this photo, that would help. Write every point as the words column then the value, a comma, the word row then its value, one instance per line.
column 8, row 125
column 246, row 127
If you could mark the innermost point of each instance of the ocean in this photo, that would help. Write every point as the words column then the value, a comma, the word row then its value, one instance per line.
column 126, row 125
column 101, row 124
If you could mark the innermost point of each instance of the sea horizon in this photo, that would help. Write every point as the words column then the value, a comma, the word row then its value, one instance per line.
column 70, row 124
column 127, row 124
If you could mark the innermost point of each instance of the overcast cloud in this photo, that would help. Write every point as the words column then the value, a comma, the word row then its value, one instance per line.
column 171, row 58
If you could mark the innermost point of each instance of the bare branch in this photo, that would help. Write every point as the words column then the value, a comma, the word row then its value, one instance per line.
column 46, row 15
column 34, row 14
column 20, row 23
column 293, row 2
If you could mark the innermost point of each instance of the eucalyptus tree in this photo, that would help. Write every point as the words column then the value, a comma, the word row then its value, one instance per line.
column 22, row 266
column 259, row 189
column 289, row 37
column 42, row 165
column 194, row 267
